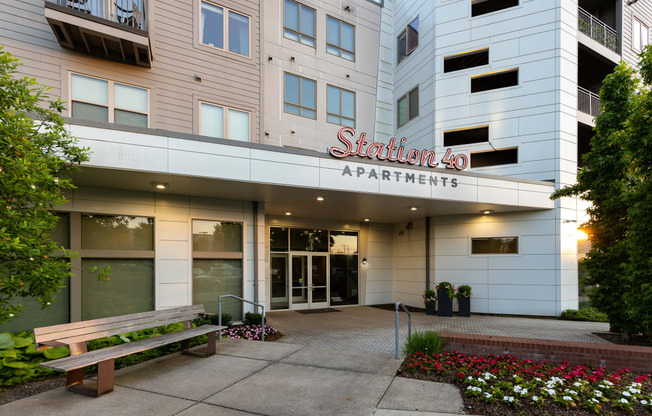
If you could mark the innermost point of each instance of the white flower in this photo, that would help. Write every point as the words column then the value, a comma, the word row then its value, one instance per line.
column 508, row 399
column 33, row 186
column 634, row 391
column 577, row 384
column 567, row 398
column 644, row 402
column 469, row 378
column 573, row 392
column 11, row 315
column 56, row 180
column 597, row 393
column 608, row 383
column 626, row 394
column 537, row 379
column 593, row 400
column 488, row 395
column 535, row 398
column 31, row 259
column 624, row 401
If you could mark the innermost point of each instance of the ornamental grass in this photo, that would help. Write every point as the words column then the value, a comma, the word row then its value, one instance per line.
column 503, row 385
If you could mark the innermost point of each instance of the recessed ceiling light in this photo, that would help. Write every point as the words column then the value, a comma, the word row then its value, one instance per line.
column 159, row 185
column 287, row 213
column 414, row 208
column 320, row 198
column 487, row 211
column 366, row 220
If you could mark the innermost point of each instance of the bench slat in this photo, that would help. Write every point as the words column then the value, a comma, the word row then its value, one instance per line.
column 121, row 324
column 93, row 357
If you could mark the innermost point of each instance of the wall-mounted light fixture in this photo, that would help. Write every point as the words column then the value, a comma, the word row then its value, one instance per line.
column 160, row 185
column 487, row 211
column 364, row 261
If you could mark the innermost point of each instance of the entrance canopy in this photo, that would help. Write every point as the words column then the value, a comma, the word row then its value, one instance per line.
column 290, row 180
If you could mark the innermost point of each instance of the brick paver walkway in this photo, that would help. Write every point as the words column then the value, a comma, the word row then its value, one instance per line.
column 372, row 329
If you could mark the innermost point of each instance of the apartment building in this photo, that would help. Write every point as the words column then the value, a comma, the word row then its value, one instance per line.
column 311, row 154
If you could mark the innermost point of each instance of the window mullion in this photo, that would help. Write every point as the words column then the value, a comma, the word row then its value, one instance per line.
column 111, row 102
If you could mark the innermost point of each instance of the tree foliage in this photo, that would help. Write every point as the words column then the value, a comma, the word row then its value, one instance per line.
column 36, row 157
column 618, row 183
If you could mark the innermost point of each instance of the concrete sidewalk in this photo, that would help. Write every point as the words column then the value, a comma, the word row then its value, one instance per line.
column 250, row 377
column 366, row 328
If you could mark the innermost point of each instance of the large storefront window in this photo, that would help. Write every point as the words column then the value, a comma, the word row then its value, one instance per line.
column 311, row 268
column 217, row 265
column 126, row 245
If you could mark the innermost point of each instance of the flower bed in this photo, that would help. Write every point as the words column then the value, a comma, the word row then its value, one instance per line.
column 251, row 332
column 504, row 385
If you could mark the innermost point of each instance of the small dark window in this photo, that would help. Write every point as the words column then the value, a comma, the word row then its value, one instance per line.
column 466, row 60
column 408, row 107
column 494, row 245
column 480, row 7
column 278, row 239
column 466, row 136
column 495, row 80
column 494, row 158
column 408, row 40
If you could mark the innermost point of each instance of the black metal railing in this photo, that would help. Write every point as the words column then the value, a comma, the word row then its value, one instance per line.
column 127, row 12
column 588, row 102
column 597, row 30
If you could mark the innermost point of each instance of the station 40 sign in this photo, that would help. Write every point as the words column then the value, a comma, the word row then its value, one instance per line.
column 393, row 153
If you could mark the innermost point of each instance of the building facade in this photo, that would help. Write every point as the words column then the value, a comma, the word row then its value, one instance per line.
column 310, row 154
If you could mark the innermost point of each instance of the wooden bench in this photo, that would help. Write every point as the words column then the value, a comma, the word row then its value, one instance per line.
column 75, row 335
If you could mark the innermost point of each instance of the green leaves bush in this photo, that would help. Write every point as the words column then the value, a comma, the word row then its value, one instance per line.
column 20, row 360
column 428, row 342
column 251, row 318
column 589, row 314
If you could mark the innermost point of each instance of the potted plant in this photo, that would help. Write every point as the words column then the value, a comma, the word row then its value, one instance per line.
column 463, row 295
column 445, row 293
column 429, row 299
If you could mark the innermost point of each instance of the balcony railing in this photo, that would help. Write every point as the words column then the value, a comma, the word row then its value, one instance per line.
column 588, row 102
column 597, row 30
column 130, row 13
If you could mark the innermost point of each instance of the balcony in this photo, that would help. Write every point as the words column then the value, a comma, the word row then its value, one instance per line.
column 588, row 102
column 109, row 29
column 597, row 30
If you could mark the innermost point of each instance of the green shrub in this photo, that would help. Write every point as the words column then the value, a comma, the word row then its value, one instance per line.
column 428, row 342
column 251, row 318
column 589, row 314
column 227, row 320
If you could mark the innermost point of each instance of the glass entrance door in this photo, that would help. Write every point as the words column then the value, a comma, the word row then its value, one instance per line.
column 309, row 281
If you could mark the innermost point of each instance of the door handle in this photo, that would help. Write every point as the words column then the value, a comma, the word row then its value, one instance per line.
column 311, row 286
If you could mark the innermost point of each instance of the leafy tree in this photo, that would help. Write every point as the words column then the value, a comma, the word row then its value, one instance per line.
column 618, row 184
column 36, row 157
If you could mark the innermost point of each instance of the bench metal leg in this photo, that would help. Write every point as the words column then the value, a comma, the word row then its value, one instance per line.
column 210, row 344
column 105, row 380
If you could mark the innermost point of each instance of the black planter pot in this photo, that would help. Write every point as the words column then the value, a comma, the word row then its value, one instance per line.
column 445, row 303
column 465, row 307
column 430, row 308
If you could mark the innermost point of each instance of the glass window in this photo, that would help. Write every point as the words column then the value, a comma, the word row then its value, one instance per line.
column 494, row 245
column 408, row 40
column 90, row 101
column 116, row 232
column 32, row 316
column 300, row 96
column 215, row 277
column 299, row 23
column 344, row 242
column 61, row 232
column 238, row 33
column 641, row 35
column 212, row 27
column 308, row 240
column 340, row 38
column 278, row 239
column 216, row 236
column 213, row 120
column 408, row 107
column 130, row 288
column 341, row 106
column 278, row 270
column 344, row 280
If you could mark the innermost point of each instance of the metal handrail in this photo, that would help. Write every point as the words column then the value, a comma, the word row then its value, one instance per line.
column 597, row 30
column 409, row 324
column 219, row 311
column 127, row 12
column 588, row 102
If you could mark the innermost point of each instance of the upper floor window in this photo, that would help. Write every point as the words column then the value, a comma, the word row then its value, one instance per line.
column 224, row 29
column 480, row 7
column 408, row 107
column 340, row 38
column 300, row 96
column 465, row 60
column 641, row 35
column 408, row 40
column 494, row 80
column 299, row 23
column 341, row 107
column 108, row 101
column 217, row 120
